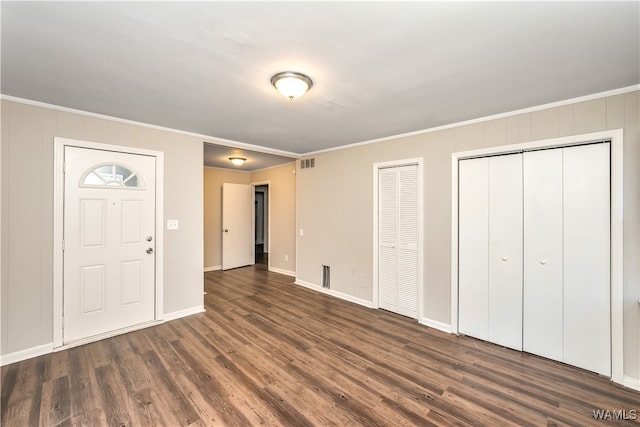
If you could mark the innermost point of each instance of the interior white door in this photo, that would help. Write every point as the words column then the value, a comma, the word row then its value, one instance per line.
column 109, row 241
column 587, row 303
column 398, row 261
column 473, row 256
column 543, row 253
column 237, row 225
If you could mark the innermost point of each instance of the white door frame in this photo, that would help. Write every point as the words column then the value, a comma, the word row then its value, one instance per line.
column 58, row 229
column 615, row 136
column 268, row 230
column 376, row 168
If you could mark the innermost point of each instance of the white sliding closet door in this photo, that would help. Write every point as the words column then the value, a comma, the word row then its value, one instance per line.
column 505, row 250
column 543, row 258
column 566, row 256
column 587, row 330
column 398, row 239
column 473, row 257
column 534, row 253
column 490, row 254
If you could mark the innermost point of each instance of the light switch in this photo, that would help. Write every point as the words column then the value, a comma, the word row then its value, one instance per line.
column 172, row 224
column 301, row 232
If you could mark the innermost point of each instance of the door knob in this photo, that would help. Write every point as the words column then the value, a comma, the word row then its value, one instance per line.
column 226, row 230
column 149, row 238
column 543, row 262
column 149, row 250
column 504, row 258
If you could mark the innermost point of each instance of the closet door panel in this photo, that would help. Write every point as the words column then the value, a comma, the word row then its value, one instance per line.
column 408, row 241
column 543, row 263
column 586, row 257
column 473, row 257
column 387, row 239
column 505, row 250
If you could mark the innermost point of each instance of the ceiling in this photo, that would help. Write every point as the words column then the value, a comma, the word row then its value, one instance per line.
column 217, row 156
column 379, row 68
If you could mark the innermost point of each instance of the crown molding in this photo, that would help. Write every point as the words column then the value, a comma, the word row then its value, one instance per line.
column 242, row 145
column 205, row 138
column 585, row 98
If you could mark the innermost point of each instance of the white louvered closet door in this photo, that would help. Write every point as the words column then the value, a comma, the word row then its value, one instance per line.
column 398, row 239
column 388, row 238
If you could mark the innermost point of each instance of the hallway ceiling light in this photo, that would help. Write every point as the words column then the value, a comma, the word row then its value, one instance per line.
column 291, row 84
column 238, row 161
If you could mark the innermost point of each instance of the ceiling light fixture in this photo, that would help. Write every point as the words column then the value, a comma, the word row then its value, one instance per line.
column 291, row 84
column 238, row 161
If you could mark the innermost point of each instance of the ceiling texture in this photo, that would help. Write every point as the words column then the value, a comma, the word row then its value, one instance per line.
column 379, row 68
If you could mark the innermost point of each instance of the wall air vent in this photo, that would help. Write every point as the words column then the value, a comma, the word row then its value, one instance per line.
column 307, row 163
column 326, row 277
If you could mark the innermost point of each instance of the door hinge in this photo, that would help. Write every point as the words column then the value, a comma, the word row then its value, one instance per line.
column 63, row 245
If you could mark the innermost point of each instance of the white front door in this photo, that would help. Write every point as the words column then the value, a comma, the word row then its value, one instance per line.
column 238, row 244
column 109, row 241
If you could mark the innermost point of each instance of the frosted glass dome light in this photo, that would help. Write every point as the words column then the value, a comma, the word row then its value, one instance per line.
column 237, row 160
column 291, row 84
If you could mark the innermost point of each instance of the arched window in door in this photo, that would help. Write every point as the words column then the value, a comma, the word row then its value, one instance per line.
column 111, row 176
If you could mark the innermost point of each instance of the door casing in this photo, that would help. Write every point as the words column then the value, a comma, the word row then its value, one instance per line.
column 58, row 228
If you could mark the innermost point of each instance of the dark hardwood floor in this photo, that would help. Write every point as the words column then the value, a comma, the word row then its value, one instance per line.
column 268, row 352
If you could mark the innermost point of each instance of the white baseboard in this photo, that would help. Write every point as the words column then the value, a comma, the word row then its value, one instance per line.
column 106, row 335
column 25, row 354
column 39, row 350
column 444, row 327
column 336, row 294
column 183, row 313
column 631, row 382
column 282, row 271
column 214, row 268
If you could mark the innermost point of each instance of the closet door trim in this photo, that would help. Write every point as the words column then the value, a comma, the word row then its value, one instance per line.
column 615, row 137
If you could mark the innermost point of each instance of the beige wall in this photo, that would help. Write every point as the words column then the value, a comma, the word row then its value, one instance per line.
column 335, row 202
column 282, row 204
column 213, row 180
column 27, row 214
column 282, row 215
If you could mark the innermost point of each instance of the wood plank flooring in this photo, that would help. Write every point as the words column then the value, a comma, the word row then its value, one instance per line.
column 268, row 352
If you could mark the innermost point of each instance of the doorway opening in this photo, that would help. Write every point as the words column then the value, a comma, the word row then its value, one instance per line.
column 261, row 224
